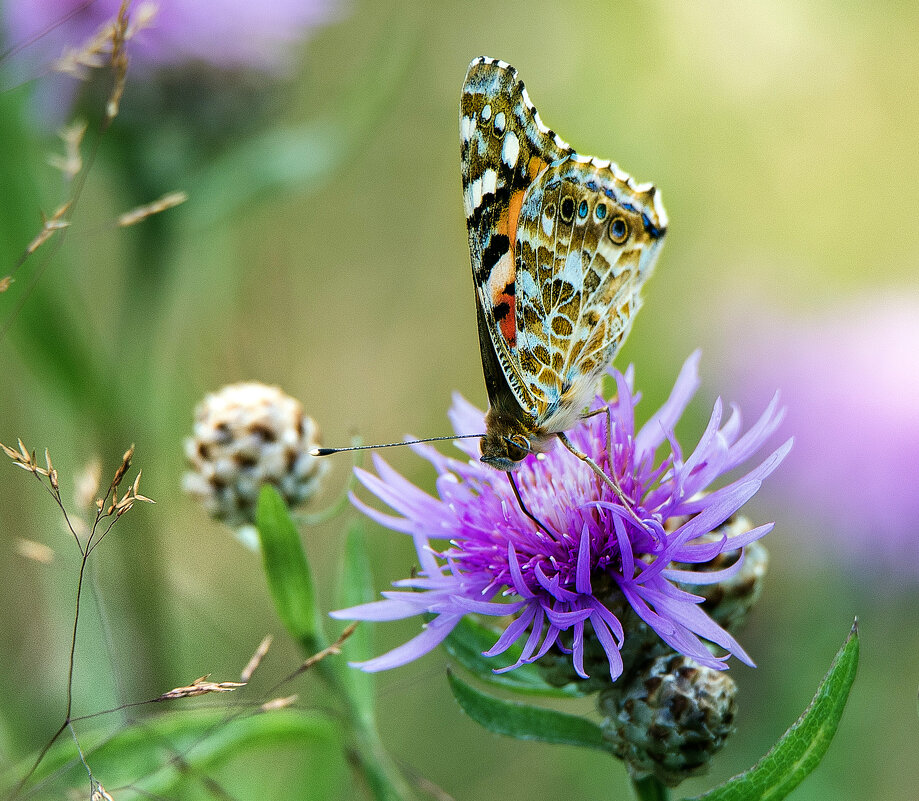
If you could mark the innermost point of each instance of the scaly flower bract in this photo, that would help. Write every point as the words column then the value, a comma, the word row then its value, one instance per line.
column 594, row 550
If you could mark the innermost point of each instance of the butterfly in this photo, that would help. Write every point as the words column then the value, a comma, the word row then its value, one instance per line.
column 561, row 245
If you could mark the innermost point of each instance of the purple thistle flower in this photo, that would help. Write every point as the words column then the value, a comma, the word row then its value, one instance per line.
column 851, row 377
column 595, row 551
column 221, row 33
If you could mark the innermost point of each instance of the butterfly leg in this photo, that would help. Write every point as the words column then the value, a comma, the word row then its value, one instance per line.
column 522, row 505
column 610, row 481
column 609, row 434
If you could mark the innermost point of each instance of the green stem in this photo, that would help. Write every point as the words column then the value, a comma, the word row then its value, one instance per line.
column 650, row 789
column 384, row 779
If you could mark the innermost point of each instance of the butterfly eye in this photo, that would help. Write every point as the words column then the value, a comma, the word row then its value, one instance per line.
column 618, row 230
column 519, row 447
column 600, row 211
column 566, row 209
column 583, row 208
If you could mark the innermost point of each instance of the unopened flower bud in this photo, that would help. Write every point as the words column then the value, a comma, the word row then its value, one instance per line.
column 245, row 436
column 671, row 719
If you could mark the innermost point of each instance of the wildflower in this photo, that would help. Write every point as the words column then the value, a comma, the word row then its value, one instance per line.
column 851, row 379
column 247, row 435
column 593, row 558
column 226, row 34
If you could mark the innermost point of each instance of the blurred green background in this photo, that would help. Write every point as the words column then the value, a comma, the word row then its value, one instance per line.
column 323, row 248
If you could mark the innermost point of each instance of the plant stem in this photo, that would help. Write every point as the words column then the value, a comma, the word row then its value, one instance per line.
column 650, row 789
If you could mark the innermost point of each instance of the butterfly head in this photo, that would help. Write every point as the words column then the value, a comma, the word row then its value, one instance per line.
column 508, row 441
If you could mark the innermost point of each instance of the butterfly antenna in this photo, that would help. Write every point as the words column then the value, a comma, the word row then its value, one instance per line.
column 330, row 451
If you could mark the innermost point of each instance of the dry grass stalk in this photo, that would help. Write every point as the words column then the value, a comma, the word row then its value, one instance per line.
column 36, row 551
column 71, row 162
column 201, row 686
column 24, row 459
column 111, row 505
column 119, row 61
column 50, row 226
column 5, row 282
column 96, row 52
column 334, row 648
column 256, row 659
column 278, row 703
column 99, row 793
column 167, row 201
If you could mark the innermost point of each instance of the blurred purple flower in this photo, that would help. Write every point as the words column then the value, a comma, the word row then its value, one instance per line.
column 221, row 33
column 851, row 381
column 597, row 553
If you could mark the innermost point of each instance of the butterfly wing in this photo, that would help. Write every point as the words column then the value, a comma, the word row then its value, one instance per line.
column 560, row 246
column 504, row 147
column 587, row 239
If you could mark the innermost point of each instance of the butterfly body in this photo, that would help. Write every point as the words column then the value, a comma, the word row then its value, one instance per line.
column 561, row 245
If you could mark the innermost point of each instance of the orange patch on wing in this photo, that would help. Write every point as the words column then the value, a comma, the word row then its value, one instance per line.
column 508, row 325
column 505, row 271
column 513, row 215
column 503, row 302
column 535, row 166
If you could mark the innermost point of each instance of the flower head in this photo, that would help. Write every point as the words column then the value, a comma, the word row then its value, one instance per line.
column 223, row 34
column 594, row 554
column 851, row 379
column 245, row 436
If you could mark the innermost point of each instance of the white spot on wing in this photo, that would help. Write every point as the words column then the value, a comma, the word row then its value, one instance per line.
column 572, row 272
column 467, row 128
column 501, row 275
column 486, row 113
column 510, row 150
column 489, row 182
column 480, row 187
column 526, row 285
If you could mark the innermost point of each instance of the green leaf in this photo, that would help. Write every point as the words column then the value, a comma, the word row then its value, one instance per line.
column 158, row 754
column 470, row 638
column 802, row 747
column 288, row 572
column 525, row 722
column 37, row 311
column 276, row 160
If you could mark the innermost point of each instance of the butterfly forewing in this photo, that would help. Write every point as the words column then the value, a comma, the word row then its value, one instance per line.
column 504, row 146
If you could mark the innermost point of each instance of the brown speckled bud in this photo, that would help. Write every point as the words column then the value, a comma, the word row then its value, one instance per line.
column 247, row 435
column 671, row 719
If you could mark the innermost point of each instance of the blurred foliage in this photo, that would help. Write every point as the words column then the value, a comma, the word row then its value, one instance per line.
column 325, row 251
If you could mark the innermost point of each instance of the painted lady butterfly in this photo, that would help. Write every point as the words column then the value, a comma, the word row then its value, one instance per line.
column 561, row 245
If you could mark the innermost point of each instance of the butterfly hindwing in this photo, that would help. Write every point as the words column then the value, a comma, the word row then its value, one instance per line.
column 582, row 254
